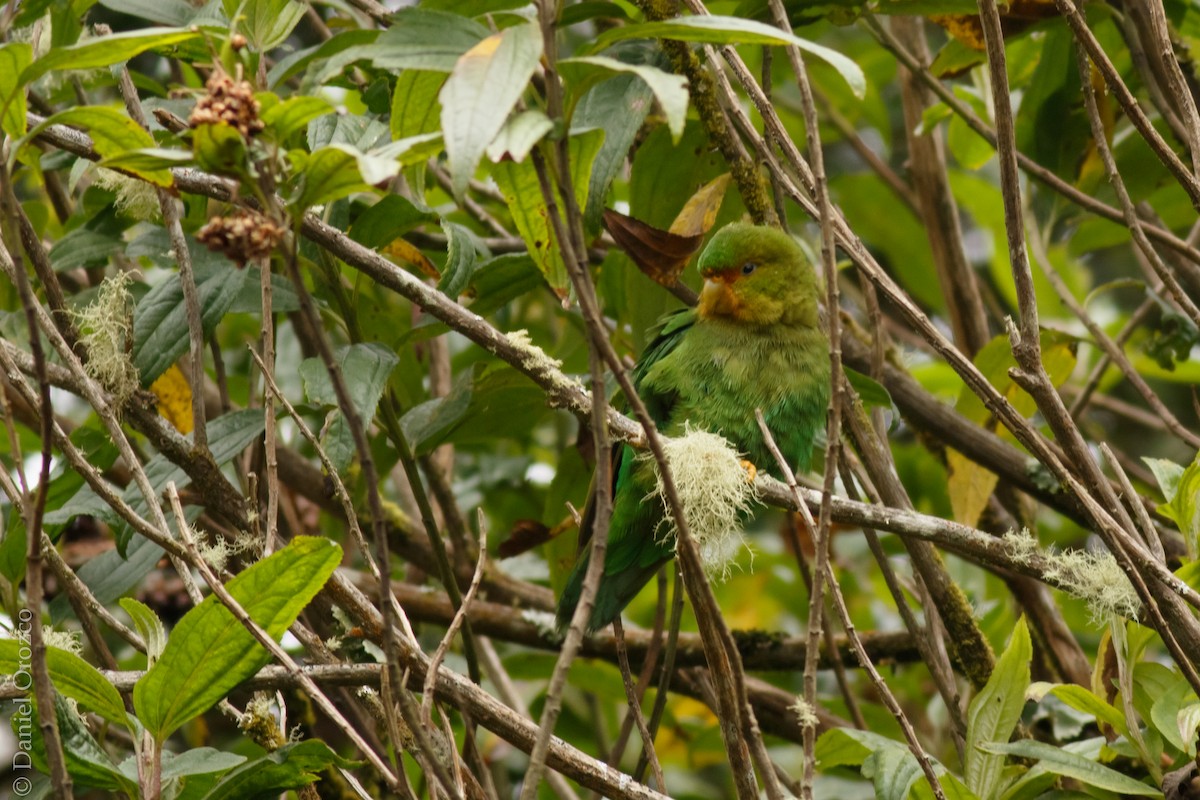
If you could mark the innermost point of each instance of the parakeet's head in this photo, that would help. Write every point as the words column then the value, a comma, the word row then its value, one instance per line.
column 757, row 276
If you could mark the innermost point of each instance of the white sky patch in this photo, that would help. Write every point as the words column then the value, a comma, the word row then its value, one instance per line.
column 539, row 474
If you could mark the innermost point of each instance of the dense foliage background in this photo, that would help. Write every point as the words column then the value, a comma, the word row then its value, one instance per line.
column 319, row 293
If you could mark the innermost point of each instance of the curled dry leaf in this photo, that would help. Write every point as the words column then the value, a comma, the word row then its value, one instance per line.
column 660, row 254
column 401, row 250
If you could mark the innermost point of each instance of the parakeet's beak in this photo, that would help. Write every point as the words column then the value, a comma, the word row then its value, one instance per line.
column 717, row 299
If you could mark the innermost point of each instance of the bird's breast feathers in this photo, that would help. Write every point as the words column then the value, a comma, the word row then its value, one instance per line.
column 721, row 372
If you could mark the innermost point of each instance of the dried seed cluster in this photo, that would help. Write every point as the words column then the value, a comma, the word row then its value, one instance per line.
column 230, row 102
column 243, row 236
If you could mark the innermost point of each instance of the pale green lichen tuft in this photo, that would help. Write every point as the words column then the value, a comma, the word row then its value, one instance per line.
column 715, row 492
column 63, row 640
column 544, row 621
column 533, row 358
column 135, row 199
column 106, row 325
column 1022, row 547
column 1097, row 579
column 806, row 715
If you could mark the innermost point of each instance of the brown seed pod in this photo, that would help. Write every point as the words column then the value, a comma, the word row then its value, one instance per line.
column 243, row 236
column 228, row 102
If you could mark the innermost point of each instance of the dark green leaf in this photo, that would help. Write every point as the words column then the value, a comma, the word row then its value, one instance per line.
column 290, row 767
column 670, row 89
column 84, row 247
column 365, row 369
column 176, row 13
column 871, row 392
column 502, row 280
column 198, row 761
column 427, row 40
column 460, row 260
column 618, row 106
column 160, row 327
column 387, row 219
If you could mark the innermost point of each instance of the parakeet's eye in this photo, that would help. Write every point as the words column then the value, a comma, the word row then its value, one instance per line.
column 749, row 267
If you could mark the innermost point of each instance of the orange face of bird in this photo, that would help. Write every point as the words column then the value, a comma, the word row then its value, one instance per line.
column 720, row 296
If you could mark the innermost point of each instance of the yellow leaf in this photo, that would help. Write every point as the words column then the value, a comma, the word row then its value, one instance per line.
column 970, row 486
column 174, row 399
column 700, row 212
column 401, row 250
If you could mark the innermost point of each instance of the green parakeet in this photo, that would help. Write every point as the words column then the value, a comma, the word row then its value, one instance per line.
column 754, row 341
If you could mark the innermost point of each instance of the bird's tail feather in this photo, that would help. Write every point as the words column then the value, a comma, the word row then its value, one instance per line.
column 615, row 592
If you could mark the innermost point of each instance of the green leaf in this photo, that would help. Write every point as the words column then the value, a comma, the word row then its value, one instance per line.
column 411, row 150
column 160, row 327
column 365, row 369
column 148, row 159
column 148, row 625
column 391, row 217
column 670, row 89
column 113, row 134
column 71, row 675
column 734, row 30
column 894, row 770
column 414, row 103
column 994, row 712
column 86, row 761
column 870, row 391
column 618, row 106
column 970, row 149
column 487, row 81
column 290, row 767
column 176, row 13
column 291, row 115
column 502, row 280
column 14, row 58
column 1169, row 712
column 1070, row 765
column 209, row 652
column 1081, row 699
column 266, row 23
column 422, row 39
column 522, row 192
column 519, row 135
column 848, row 747
column 482, row 404
column 1183, row 505
column 113, row 573
column 338, row 170
column 198, row 761
column 220, row 149
column 84, row 247
column 104, row 51
column 460, row 260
